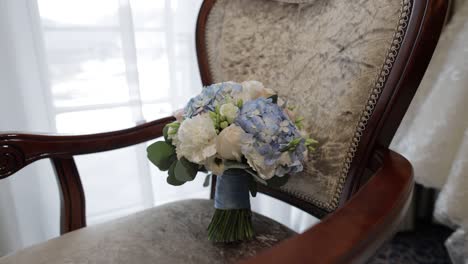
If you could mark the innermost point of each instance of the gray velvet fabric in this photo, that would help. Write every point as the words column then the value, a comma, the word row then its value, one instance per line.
column 324, row 56
column 296, row 1
column 172, row 233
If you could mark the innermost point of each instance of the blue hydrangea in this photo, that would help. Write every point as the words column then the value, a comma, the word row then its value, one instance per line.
column 210, row 97
column 271, row 132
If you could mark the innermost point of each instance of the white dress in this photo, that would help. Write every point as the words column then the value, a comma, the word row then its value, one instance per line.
column 434, row 132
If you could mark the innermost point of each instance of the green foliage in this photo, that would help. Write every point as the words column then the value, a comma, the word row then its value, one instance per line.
column 161, row 154
column 185, row 170
column 231, row 226
column 170, row 130
column 255, row 176
column 292, row 145
column 298, row 122
column 213, row 116
column 274, row 98
column 165, row 134
column 277, row 182
column 240, row 103
column 216, row 118
column 171, row 179
column 202, row 168
column 253, row 187
column 207, row 180
column 274, row 182
column 230, row 164
column 311, row 143
column 223, row 124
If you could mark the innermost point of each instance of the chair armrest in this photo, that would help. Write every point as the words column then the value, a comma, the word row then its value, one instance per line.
column 354, row 232
column 19, row 150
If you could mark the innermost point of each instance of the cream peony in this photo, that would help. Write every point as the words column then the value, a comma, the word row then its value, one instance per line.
column 228, row 143
column 196, row 139
column 230, row 111
column 254, row 89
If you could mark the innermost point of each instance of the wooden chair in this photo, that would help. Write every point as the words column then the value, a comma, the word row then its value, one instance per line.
column 352, row 67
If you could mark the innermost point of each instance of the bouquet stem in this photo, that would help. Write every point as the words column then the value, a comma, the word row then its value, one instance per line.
column 232, row 220
column 231, row 225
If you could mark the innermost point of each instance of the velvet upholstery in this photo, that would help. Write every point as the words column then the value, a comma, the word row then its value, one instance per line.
column 172, row 233
column 325, row 56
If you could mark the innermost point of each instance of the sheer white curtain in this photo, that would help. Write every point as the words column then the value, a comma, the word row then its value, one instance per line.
column 79, row 67
column 24, row 199
column 114, row 64
column 74, row 67
column 434, row 132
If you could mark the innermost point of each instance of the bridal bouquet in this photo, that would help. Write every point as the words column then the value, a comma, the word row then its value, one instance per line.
column 244, row 134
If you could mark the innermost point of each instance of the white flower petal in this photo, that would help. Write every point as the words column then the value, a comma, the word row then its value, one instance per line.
column 196, row 139
column 228, row 143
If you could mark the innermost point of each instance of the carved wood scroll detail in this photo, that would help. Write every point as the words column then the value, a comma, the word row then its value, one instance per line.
column 11, row 160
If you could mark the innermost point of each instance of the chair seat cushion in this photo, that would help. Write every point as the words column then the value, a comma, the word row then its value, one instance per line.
column 172, row 233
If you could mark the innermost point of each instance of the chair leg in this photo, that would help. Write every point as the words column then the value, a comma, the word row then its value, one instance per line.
column 73, row 209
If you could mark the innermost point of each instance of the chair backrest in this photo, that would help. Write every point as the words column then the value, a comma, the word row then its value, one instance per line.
column 351, row 66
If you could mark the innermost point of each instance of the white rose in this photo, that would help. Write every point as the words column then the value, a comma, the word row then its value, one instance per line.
column 215, row 165
column 230, row 111
column 228, row 143
column 196, row 139
column 254, row 89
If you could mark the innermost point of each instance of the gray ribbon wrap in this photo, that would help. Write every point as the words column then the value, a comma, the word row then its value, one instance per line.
column 232, row 190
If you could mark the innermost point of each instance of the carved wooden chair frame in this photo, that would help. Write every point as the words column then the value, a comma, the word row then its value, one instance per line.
column 371, row 204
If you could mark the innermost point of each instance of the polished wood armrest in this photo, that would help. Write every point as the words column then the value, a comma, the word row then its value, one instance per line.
column 354, row 232
column 18, row 150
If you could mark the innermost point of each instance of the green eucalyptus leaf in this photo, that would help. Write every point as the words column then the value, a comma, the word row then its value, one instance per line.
column 277, row 182
column 253, row 187
column 161, row 154
column 171, row 179
column 185, row 170
column 202, row 168
column 240, row 103
column 274, row 98
column 255, row 176
column 231, row 164
column 207, row 180
column 166, row 138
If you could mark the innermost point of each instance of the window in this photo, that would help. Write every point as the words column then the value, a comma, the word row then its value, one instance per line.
column 113, row 64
